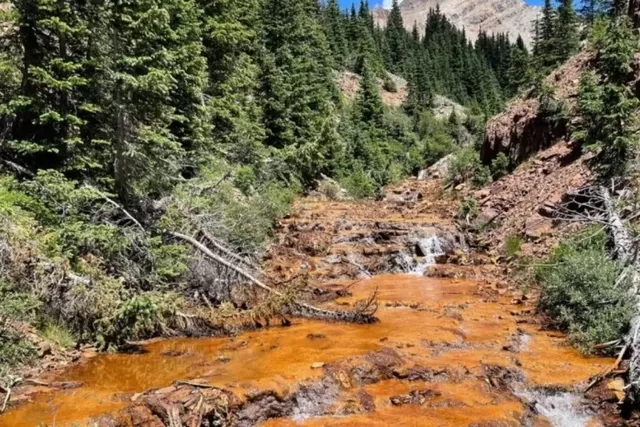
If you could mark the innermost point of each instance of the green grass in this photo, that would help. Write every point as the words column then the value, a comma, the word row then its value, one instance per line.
column 513, row 245
column 58, row 334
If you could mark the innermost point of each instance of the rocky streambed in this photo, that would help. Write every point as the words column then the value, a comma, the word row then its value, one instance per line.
column 455, row 343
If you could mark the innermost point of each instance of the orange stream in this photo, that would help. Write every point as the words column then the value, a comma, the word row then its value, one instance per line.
column 466, row 330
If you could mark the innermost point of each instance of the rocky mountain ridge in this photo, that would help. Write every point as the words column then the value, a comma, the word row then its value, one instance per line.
column 493, row 16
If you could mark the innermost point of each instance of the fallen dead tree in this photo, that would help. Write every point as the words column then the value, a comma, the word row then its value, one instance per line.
column 626, row 249
column 363, row 312
column 612, row 210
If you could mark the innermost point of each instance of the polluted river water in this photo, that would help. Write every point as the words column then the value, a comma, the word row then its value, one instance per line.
column 489, row 362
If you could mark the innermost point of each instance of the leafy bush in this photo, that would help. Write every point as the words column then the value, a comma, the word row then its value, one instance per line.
column 468, row 209
column 467, row 167
column 359, row 184
column 582, row 293
column 330, row 189
column 388, row 84
column 512, row 245
column 499, row 166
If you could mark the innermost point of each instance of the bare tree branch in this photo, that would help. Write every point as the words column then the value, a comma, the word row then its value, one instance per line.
column 364, row 314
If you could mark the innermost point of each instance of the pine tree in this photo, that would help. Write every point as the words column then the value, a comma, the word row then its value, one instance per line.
column 608, row 108
column 47, row 116
column 519, row 72
column 231, row 46
column 368, row 107
column 335, row 28
column 160, row 76
column 419, row 94
column 536, row 39
column 297, row 85
column 365, row 14
column 566, row 31
column 545, row 47
column 396, row 38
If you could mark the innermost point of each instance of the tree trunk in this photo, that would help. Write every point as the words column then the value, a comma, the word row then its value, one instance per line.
column 634, row 12
column 627, row 254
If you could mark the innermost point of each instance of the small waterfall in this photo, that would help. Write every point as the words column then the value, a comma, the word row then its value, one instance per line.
column 430, row 248
column 560, row 408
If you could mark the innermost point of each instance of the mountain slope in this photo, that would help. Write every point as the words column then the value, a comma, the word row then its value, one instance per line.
column 493, row 16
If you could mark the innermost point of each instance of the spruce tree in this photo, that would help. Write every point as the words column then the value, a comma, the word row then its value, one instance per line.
column 47, row 117
column 365, row 15
column 335, row 30
column 231, row 47
column 545, row 46
column 396, row 36
column 368, row 107
column 297, row 85
column 519, row 72
column 566, row 31
column 159, row 76
column 366, row 50
column 607, row 105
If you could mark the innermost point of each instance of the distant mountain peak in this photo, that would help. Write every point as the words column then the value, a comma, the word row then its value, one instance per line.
column 514, row 17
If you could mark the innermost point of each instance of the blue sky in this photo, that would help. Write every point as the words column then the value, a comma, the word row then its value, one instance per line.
column 347, row 3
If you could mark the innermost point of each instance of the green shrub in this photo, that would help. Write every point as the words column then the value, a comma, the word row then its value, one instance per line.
column 499, row 166
column 436, row 147
column 244, row 222
column 359, row 184
column 389, row 85
column 512, row 245
column 140, row 316
column 14, row 349
column 468, row 209
column 552, row 109
column 245, row 179
column 14, row 307
column 330, row 189
column 467, row 167
column 582, row 293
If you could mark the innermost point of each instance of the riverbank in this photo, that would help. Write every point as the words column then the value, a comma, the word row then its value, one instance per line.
column 456, row 347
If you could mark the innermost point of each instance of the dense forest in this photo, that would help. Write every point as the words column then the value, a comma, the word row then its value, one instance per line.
column 124, row 124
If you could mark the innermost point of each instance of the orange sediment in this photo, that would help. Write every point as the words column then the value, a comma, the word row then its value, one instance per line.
column 460, row 326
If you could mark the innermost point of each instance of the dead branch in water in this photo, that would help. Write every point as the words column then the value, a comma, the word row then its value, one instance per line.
column 7, row 390
column 192, row 384
column 363, row 314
